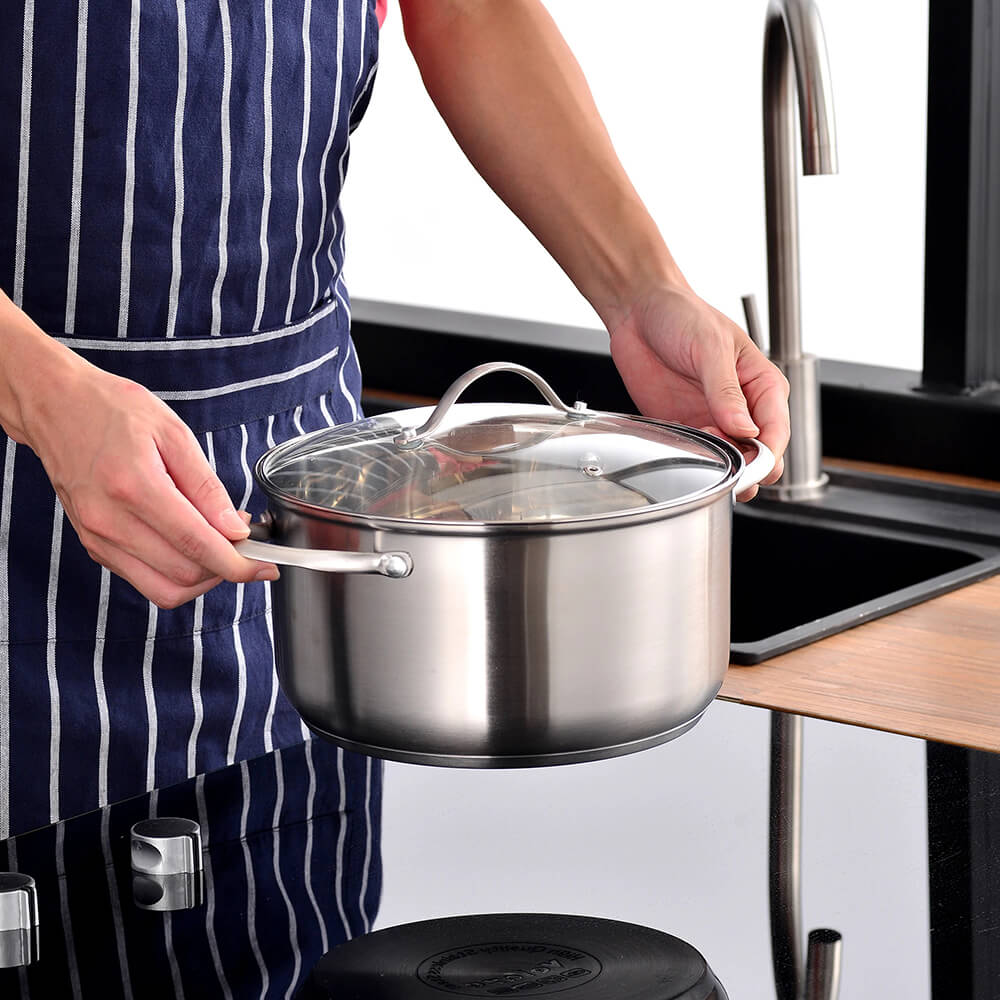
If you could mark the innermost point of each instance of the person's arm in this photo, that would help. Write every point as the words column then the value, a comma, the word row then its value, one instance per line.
column 516, row 101
column 131, row 477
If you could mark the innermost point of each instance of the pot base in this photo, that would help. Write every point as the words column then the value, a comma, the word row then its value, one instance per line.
column 508, row 760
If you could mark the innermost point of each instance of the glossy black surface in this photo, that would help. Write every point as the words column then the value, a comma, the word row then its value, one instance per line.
column 515, row 954
column 267, row 935
column 871, row 546
column 285, row 866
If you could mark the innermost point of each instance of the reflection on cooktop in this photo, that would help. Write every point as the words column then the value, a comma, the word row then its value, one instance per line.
column 278, row 850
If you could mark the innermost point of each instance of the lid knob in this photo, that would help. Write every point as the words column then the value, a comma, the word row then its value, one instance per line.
column 167, row 864
column 18, row 920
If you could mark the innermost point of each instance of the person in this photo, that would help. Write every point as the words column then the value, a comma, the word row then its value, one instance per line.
column 171, row 255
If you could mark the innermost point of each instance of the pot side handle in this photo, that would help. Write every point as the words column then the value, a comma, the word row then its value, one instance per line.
column 758, row 469
column 395, row 565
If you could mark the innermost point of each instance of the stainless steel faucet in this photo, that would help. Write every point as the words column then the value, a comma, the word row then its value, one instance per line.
column 796, row 70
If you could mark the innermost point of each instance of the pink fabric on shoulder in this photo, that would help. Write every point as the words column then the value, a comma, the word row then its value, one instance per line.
column 380, row 6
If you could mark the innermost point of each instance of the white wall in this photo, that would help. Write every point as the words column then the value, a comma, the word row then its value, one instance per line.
column 679, row 86
column 675, row 837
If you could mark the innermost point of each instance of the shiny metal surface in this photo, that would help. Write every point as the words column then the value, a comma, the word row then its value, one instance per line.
column 509, row 649
column 569, row 593
column 168, row 893
column 803, row 478
column 785, row 854
column 796, row 71
column 411, row 437
column 166, row 846
column 500, row 464
column 819, row 977
column 394, row 565
column 752, row 316
column 478, row 465
column 823, row 965
column 18, row 920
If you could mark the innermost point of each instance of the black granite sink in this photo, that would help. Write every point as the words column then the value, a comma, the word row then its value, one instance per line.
column 870, row 546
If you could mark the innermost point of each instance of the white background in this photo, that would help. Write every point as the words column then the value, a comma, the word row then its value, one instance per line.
column 675, row 837
column 679, row 85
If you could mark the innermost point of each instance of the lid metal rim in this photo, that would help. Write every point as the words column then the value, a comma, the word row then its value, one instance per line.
column 590, row 522
column 587, row 522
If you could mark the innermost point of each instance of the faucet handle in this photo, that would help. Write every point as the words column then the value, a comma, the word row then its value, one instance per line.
column 753, row 320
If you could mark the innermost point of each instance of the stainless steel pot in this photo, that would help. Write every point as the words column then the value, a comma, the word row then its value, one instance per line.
column 498, row 585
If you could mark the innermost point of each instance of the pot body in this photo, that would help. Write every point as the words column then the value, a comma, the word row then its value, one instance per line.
column 508, row 648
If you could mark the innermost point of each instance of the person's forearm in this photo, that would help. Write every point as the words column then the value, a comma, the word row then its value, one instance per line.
column 31, row 367
column 515, row 99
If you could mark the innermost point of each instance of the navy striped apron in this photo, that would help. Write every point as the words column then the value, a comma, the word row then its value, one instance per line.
column 282, row 885
column 169, row 192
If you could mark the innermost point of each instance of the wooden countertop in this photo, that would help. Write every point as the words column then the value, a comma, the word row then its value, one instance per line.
column 931, row 671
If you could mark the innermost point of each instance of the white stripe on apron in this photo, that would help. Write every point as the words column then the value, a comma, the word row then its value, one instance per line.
column 116, row 906
column 251, row 883
column 366, row 920
column 227, row 157
column 265, row 211
column 80, row 103
column 100, row 690
column 329, row 143
column 343, row 385
column 128, row 216
column 150, row 696
column 64, row 910
column 22, row 972
column 310, row 799
column 272, row 704
column 168, row 926
column 306, row 109
column 253, row 383
column 201, row 344
column 341, row 836
column 20, row 251
column 241, row 662
column 342, row 163
column 6, row 501
column 293, row 925
column 50, row 663
column 213, row 943
column 175, row 276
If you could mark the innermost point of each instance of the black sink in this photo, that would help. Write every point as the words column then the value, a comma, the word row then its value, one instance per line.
column 870, row 546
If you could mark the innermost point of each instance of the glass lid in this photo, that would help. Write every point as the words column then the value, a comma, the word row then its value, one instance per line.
column 496, row 463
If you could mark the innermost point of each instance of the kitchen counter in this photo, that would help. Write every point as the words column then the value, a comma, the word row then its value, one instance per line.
column 930, row 671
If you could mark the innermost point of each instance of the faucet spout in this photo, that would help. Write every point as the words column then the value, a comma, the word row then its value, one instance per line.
column 795, row 65
column 796, row 72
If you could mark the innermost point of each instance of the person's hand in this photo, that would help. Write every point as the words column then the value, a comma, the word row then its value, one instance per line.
column 136, row 486
column 682, row 360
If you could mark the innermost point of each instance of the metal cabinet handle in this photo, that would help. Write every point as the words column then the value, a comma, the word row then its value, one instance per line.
column 412, row 437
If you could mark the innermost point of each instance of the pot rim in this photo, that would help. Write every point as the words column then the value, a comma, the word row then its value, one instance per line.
column 586, row 522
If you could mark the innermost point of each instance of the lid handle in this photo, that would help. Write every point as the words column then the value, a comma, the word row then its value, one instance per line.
column 412, row 437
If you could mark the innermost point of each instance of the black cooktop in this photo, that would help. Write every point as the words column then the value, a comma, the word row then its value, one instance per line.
column 119, row 915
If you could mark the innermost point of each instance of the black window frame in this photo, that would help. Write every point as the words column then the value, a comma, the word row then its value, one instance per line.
column 962, row 255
